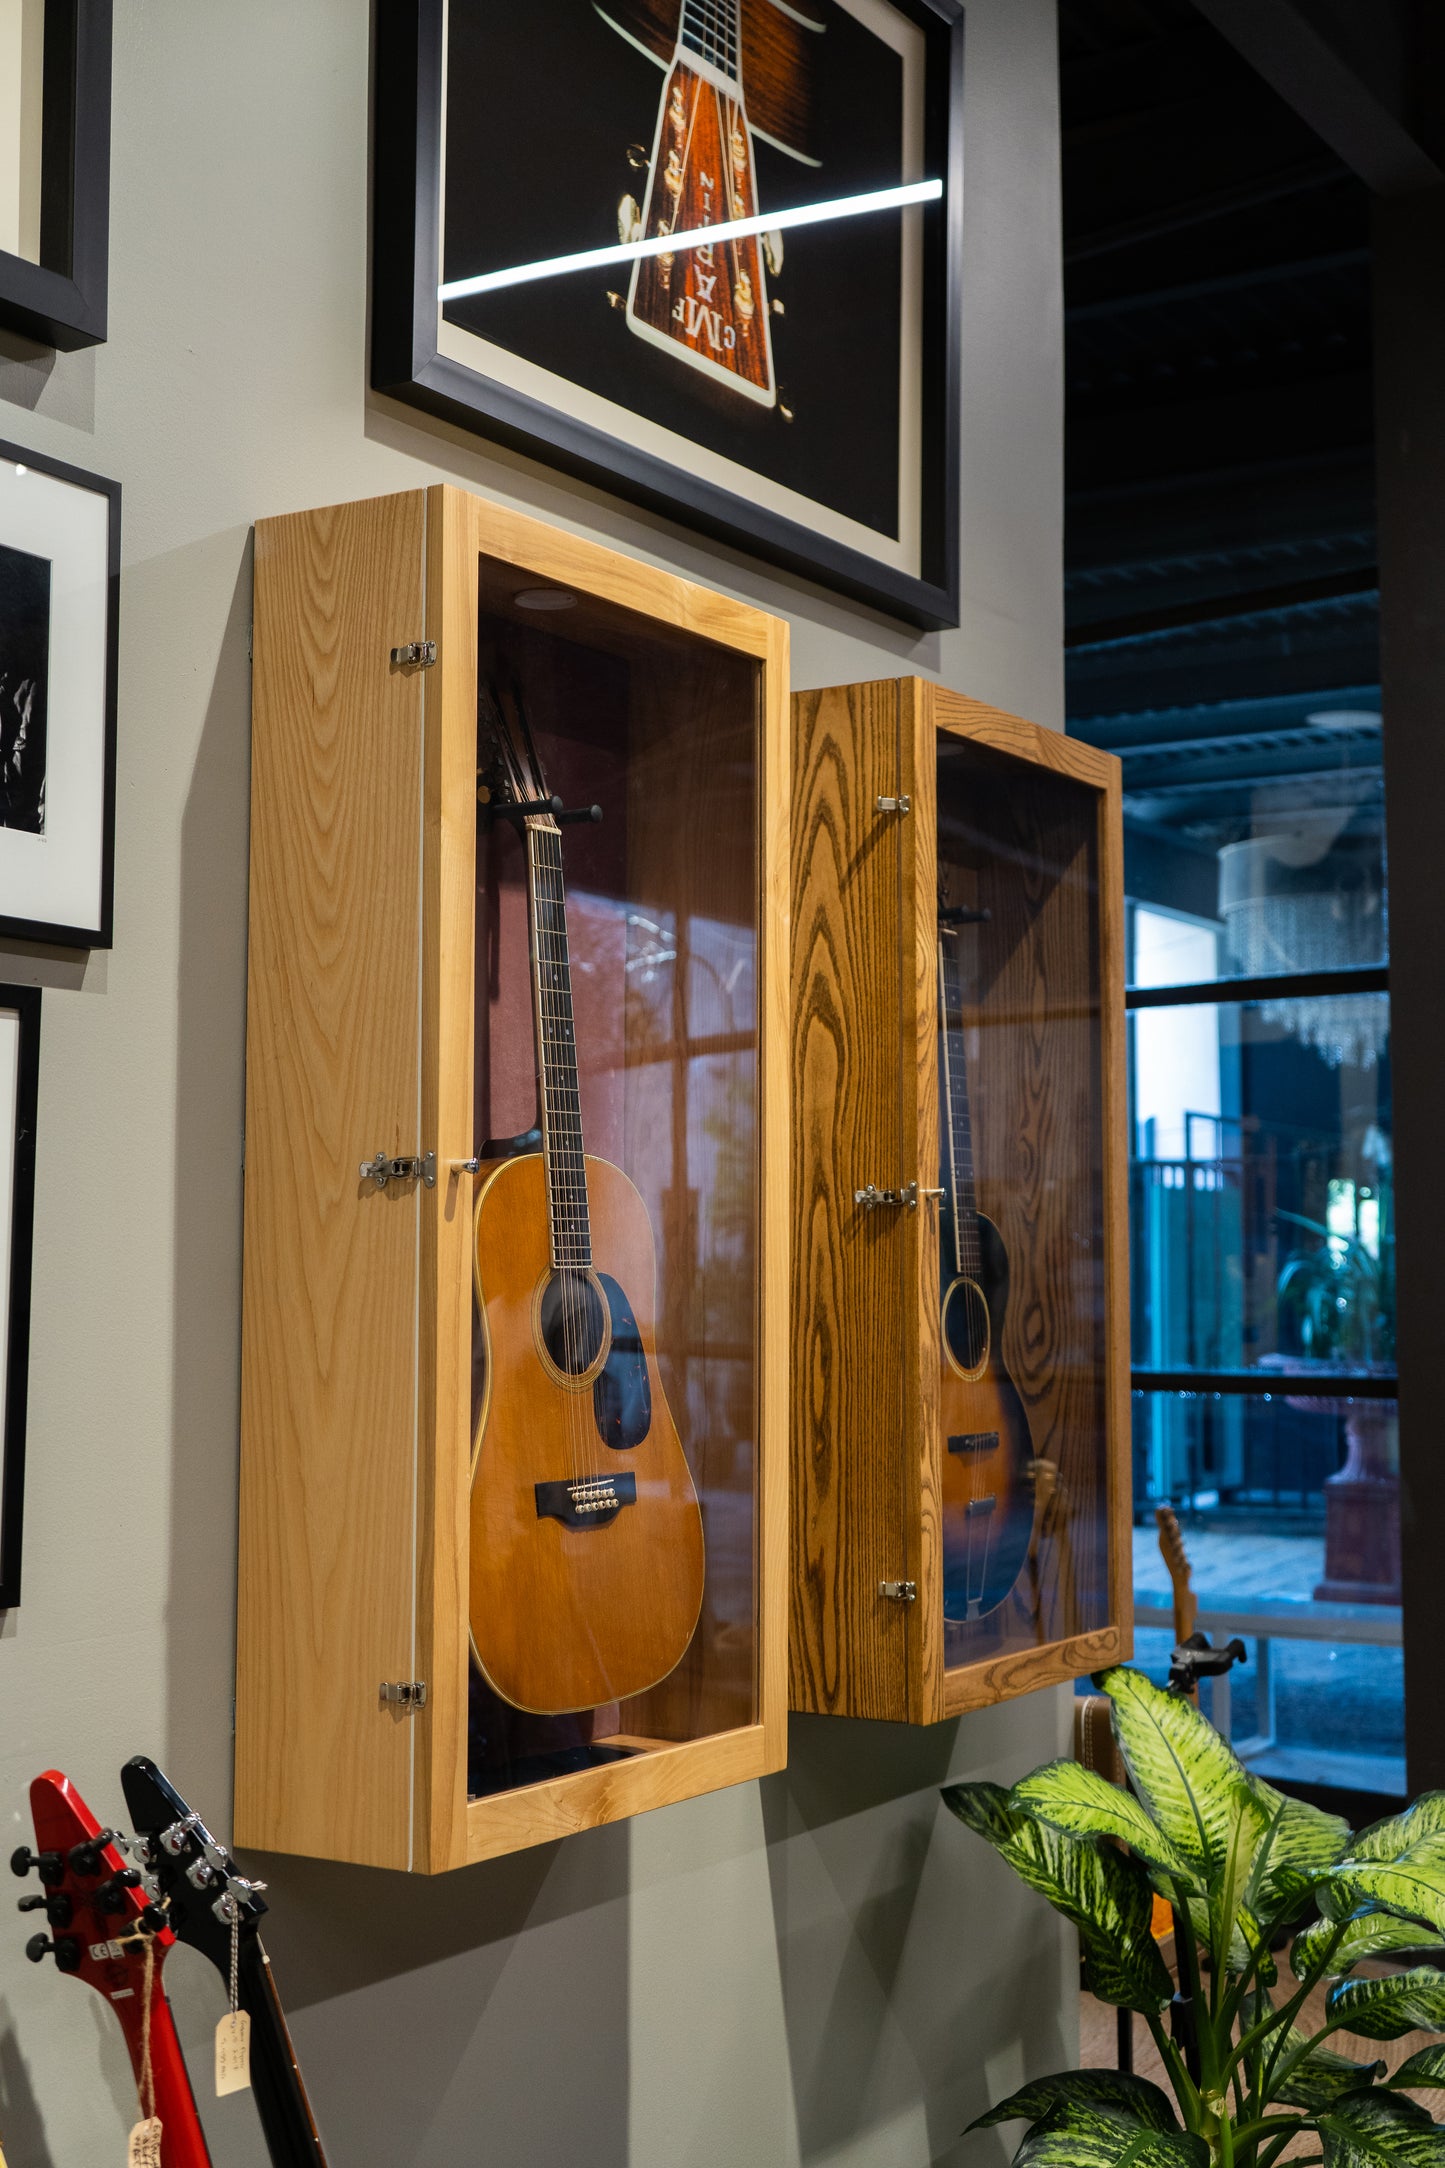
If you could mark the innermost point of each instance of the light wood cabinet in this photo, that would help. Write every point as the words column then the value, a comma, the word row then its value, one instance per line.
column 961, row 1506
column 390, row 1013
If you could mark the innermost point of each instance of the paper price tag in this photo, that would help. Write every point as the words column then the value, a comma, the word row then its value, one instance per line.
column 145, row 2144
column 233, row 2053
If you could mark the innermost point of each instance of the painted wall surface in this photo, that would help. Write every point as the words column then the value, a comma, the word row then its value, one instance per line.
column 821, row 1968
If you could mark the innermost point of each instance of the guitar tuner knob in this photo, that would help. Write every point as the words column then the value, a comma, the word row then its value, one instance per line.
column 65, row 1948
column 86, row 1857
column 110, row 1896
column 31, row 1904
column 49, row 1865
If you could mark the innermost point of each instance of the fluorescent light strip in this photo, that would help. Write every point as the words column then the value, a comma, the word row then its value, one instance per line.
column 667, row 244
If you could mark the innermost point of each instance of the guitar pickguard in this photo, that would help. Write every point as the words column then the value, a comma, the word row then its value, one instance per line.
column 622, row 1396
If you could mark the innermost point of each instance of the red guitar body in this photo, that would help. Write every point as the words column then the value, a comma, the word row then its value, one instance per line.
column 96, row 1931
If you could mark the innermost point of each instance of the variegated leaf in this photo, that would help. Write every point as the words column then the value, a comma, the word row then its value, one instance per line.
column 1368, row 2130
column 1112, row 2089
column 1085, row 1804
column 1384, row 2009
column 1370, row 1934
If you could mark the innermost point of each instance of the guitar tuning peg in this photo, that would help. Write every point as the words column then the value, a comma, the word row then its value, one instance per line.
column 629, row 220
column 85, row 1857
column 31, row 1904
column 49, row 1864
column 65, row 1947
column 637, row 158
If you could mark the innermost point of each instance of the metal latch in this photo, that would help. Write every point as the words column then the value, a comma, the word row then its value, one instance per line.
column 416, row 655
column 872, row 1197
column 404, row 1693
column 893, row 805
column 899, row 1591
column 382, row 1170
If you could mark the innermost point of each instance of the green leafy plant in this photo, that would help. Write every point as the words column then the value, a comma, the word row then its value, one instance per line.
column 1337, row 1298
column 1240, row 1864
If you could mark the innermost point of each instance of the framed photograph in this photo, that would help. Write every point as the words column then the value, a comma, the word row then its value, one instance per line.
column 54, row 169
column 19, row 1081
column 59, row 609
column 789, row 381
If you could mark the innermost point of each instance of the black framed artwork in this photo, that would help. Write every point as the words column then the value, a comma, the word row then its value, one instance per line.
column 705, row 252
column 19, row 1092
column 55, row 169
column 59, row 637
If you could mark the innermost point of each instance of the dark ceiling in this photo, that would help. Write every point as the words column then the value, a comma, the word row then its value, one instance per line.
column 1220, row 545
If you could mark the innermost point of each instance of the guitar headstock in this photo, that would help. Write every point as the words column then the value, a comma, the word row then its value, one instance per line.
column 99, row 1910
column 509, row 771
column 204, row 1891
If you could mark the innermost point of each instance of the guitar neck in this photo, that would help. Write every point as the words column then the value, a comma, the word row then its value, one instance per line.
column 289, row 2127
column 711, row 30
column 963, row 1194
column 562, row 1149
column 163, row 2088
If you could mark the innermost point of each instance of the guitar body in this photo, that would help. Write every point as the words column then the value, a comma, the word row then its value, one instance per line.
column 586, row 1534
column 709, row 305
column 988, row 1499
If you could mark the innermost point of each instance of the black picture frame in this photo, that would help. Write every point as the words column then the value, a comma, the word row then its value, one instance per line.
column 25, row 1000
column 64, row 934
column 62, row 300
column 406, row 363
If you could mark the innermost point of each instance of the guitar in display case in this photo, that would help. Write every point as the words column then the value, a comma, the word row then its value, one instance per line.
column 211, row 1906
column 587, row 1562
column 105, row 1931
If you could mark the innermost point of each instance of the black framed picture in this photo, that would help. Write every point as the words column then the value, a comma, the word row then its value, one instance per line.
column 59, row 636
column 55, row 169
column 19, row 1090
column 705, row 252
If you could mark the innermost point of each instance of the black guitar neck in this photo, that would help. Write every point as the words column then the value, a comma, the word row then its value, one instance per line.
column 201, row 1886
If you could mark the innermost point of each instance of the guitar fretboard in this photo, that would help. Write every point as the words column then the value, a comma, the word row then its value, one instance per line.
column 571, row 1229
column 710, row 28
column 962, row 1192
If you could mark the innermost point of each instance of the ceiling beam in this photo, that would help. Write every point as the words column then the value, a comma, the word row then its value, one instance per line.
column 1353, row 70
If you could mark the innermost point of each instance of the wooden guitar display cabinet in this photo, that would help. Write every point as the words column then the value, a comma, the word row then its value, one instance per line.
column 960, row 1395
column 420, row 662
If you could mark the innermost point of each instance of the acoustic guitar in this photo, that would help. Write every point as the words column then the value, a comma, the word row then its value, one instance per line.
column 211, row 1907
column 104, row 1930
column 988, row 1498
column 586, row 1533
column 707, row 305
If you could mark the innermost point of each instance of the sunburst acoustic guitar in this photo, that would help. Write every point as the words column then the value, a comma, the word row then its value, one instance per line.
column 586, row 1533
column 988, row 1499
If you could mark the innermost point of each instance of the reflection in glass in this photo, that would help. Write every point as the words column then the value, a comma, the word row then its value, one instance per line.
column 1262, row 1223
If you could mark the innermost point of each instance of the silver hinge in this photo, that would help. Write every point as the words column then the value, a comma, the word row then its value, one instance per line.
column 382, row 1170
column 416, row 655
column 899, row 1591
column 893, row 805
column 872, row 1197
column 404, row 1693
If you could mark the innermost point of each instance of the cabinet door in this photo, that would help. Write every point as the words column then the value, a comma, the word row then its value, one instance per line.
column 855, row 1350
column 329, row 1355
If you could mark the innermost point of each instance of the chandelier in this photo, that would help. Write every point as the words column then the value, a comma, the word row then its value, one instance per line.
column 1311, row 897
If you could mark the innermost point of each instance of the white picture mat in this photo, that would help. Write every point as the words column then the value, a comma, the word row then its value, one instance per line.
column 22, row 81
column 57, row 878
column 9, row 1091
column 903, row 554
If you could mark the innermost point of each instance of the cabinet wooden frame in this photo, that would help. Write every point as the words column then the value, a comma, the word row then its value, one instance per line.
column 357, row 1328
column 866, row 1473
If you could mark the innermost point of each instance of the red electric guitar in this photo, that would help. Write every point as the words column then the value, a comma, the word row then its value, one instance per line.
column 104, row 1930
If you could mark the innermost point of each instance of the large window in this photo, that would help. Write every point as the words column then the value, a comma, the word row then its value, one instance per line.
column 1263, row 1255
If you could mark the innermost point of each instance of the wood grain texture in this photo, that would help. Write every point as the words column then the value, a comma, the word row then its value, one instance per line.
column 328, row 1416
column 851, row 1504
column 1031, row 832
column 448, row 1043
column 775, row 1224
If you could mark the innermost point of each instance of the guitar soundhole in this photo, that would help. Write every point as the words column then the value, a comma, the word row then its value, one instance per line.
column 573, row 1322
column 966, row 1325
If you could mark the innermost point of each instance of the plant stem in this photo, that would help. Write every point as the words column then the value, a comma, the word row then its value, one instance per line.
column 1185, row 2090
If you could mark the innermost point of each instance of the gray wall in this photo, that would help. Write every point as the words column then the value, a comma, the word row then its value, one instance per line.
column 819, row 1968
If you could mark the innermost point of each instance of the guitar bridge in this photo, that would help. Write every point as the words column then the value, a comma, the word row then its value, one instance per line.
column 585, row 1501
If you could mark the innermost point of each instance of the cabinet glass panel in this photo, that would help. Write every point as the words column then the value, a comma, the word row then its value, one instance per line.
column 615, row 1381
column 1023, row 1390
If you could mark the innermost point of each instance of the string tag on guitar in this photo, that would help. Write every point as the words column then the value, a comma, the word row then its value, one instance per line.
column 145, row 2144
column 233, row 2034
